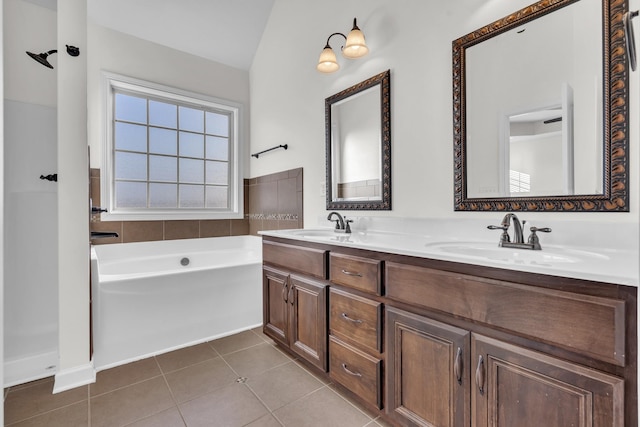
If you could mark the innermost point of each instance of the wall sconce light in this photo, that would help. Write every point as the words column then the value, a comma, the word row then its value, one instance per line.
column 354, row 47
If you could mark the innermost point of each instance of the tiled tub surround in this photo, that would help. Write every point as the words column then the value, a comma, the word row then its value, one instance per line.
column 603, row 252
column 240, row 380
column 271, row 202
column 275, row 201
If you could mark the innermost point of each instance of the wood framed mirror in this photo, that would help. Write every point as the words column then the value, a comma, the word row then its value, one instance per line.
column 540, row 110
column 358, row 146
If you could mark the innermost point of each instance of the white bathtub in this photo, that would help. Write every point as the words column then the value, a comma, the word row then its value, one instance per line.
column 145, row 302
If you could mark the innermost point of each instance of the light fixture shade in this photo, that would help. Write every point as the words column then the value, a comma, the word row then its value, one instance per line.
column 355, row 46
column 328, row 63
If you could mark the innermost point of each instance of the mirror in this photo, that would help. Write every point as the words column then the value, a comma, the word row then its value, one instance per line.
column 540, row 110
column 358, row 146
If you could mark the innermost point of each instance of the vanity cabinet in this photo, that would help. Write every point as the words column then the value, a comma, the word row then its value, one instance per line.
column 427, row 371
column 355, row 344
column 295, row 305
column 434, row 343
column 435, row 369
column 516, row 386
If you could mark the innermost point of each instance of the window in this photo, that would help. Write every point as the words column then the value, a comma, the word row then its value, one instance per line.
column 519, row 182
column 169, row 154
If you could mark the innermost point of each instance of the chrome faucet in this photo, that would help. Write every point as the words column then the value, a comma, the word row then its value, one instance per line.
column 342, row 225
column 518, row 237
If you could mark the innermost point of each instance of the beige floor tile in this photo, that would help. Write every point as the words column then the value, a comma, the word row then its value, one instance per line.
column 322, row 408
column 380, row 422
column 26, row 402
column 124, row 375
column 282, row 385
column 258, row 331
column 76, row 415
column 236, row 342
column 324, row 379
column 266, row 421
column 31, row 383
column 169, row 418
column 231, row 406
column 129, row 404
column 184, row 357
column 255, row 360
column 196, row 380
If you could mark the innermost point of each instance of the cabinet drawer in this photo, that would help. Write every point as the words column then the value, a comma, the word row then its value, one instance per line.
column 305, row 260
column 590, row 325
column 356, row 319
column 359, row 273
column 355, row 370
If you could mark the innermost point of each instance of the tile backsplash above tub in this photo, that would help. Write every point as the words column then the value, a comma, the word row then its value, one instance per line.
column 271, row 202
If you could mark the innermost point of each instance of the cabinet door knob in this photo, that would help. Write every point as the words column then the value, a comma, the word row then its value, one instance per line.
column 285, row 291
column 480, row 375
column 291, row 294
column 350, row 372
column 457, row 367
column 345, row 316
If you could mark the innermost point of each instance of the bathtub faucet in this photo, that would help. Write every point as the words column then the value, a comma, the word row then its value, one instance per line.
column 342, row 225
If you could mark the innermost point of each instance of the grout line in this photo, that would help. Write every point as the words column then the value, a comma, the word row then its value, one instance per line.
column 127, row 385
column 173, row 398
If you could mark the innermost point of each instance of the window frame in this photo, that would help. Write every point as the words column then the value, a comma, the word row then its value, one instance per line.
column 113, row 83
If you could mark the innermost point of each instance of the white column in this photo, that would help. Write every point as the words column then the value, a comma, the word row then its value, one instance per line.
column 75, row 366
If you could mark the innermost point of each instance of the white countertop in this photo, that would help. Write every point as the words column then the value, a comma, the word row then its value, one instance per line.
column 596, row 263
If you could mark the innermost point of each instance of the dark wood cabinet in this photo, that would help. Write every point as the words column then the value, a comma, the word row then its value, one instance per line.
column 295, row 313
column 514, row 386
column 439, row 344
column 428, row 380
column 308, row 319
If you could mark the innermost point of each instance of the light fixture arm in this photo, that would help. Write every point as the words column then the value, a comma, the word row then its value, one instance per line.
column 334, row 34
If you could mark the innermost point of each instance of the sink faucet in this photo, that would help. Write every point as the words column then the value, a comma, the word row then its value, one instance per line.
column 342, row 225
column 518, row 237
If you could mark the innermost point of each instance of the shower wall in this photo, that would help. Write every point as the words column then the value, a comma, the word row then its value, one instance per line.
column 30, row 308
column 31, row 243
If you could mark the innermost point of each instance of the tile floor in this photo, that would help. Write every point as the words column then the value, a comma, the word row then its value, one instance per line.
column 241, row 380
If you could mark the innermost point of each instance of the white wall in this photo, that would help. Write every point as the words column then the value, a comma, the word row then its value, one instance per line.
column 413, row 39
column 130, row 56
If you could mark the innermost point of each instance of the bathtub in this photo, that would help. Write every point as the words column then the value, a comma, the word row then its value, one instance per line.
column 153, row 297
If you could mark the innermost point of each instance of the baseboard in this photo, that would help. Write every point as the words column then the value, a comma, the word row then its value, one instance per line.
column 74, row 377
column 31, row 368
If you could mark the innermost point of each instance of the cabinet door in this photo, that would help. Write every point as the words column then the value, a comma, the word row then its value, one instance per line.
column 308, row 319
column 275, row 294
column 519, row 387
column 427, row 374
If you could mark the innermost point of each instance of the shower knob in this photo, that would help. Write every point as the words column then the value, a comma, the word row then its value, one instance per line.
column 51, row 177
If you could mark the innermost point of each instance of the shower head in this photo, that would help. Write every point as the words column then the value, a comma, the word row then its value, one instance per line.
column 42, row 57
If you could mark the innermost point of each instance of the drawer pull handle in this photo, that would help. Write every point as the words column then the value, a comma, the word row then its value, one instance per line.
column 480, row 375
column 350, row 372
column 351, row 273
column 457, row 367
column 345, row 316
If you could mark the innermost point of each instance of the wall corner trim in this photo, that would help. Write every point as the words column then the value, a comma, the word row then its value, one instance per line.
column 74, row 377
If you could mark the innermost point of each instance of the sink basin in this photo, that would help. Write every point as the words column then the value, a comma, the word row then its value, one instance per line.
column 491, row 251
column 324, row 234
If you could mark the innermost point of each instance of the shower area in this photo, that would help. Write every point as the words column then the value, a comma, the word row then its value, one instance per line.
column 31, row 211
